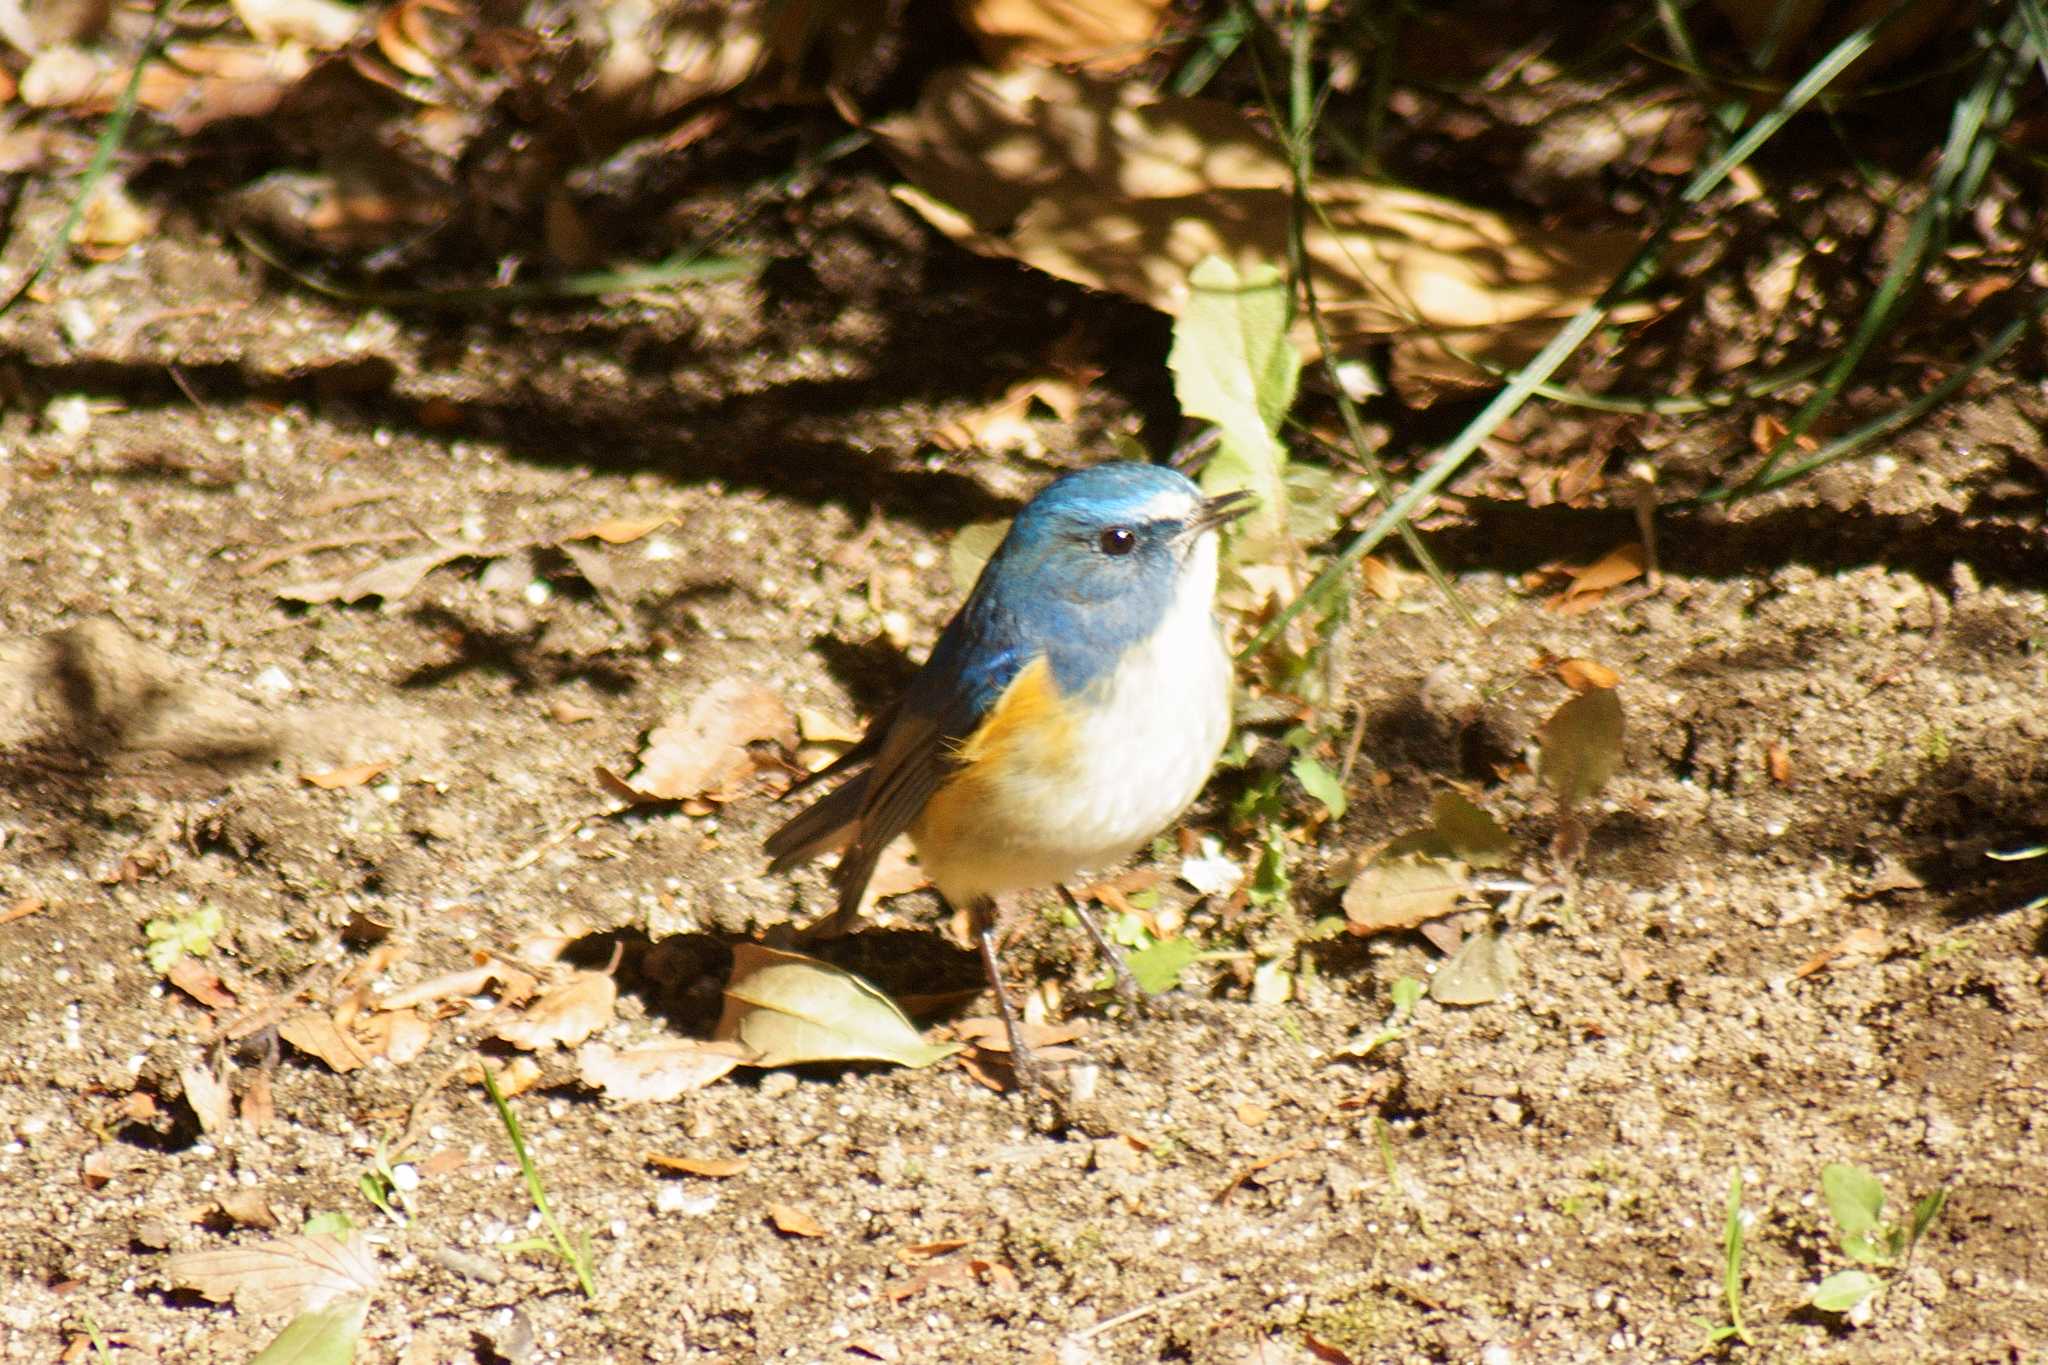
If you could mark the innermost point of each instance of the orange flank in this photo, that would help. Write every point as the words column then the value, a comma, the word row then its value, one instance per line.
column 1029, row 734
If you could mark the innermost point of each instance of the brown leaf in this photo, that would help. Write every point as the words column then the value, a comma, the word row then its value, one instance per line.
column 285, row 1275
column 925, row 1251
column 565, row 1015
column 210, row 1098
column 1403, row 890
column 315, row 1033
column 351, row 775
column 658, row 1072
column 1583, row 675
column 1101, row 35
column 620, row 530
column 1859, row 944
column 201, row 982
column 703, row 751
column 794, row 1222
column 259, row 1109
column 1118, row 188
column 1617, row 566
column 989, row 1034
column 710, row 1167
column 249, row 1207
column 398, row 1036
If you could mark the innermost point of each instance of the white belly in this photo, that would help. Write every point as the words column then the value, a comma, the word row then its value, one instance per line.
column 1146, row 741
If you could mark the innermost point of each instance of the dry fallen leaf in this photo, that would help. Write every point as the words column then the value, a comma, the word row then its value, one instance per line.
column 398, row 1036
column 1860, row 944
column 703, row 751
column 1101, row 35
column 285, row 1275
column 1403, row 890
column 210, row 1098
column 449, row 985
column 1778, row 762
column 710, row 1167
column 657, row 1072
column 1113, row 186
column 620, row 530
column 352, row 775
column 392, row 581
column 989, row 1034
column 315, row 1033
column 925, row 1251
column 1580, row 746
column 201, row 982
column 1583, row 675
column 564, row 1015
column 1590, row 582
column 794, row 1222
column 787, row 1008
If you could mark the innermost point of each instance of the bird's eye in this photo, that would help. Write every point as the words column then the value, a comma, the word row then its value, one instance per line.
column 1117, row 540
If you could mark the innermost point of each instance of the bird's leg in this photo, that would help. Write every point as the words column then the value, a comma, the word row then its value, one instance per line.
column 1127, row 988
column 981, row 913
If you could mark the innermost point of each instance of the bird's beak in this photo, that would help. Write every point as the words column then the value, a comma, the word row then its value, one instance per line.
column 1224, row 509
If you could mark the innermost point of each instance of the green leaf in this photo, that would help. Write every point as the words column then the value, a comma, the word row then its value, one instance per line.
column 1319, row 782
column 1731, row 1256
column 1580, row 746
column 1406, row 994
column 1158, row 967
column 322, row 1336
column 1855, row 1200
column 331, row 1224
column 790, row 1008
column 1233, row 365
column 1271, row 883
column 1468, row 832
column 1842, row 1291
column 1924, row 1214
column 170, row 939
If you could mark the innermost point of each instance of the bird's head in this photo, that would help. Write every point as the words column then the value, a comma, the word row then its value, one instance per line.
column 1110, row 549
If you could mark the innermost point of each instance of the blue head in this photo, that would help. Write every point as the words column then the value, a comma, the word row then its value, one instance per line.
column 1095, row 562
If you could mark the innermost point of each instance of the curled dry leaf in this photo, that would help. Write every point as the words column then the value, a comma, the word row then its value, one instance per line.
column 564, row 1015
column 1590, row 583
column 315, row 1033
column 794, row 1222
column 709, row 1167
column 1116, row 187
column 1583, row 675
column 469, row 981
column 787, row 1008
column 392, row 581
column 703, row 751
column 658, row 1072
column 284, row 1275
column 399, row 1036
column 201, row 982
column 620, row 530
column 350, row 775
column 210, row 1098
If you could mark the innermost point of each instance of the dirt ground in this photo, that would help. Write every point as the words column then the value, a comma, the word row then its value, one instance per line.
column 1786, row 947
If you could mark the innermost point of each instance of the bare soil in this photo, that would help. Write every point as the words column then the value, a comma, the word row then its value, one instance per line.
column 1832, row 699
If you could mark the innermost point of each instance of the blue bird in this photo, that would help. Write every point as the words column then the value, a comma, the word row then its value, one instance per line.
column 1071, row 710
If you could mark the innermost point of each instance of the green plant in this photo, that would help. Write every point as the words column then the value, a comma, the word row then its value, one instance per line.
column 1732, row 1229
column 575, row 1253
column 1855, row 1200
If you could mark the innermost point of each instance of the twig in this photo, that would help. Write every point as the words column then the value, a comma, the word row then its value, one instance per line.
column 1143, row 1310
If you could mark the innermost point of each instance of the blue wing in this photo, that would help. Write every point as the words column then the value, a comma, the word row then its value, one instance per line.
column 906, row 753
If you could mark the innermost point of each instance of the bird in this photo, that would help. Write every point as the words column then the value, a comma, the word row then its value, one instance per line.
column 1073, row 708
